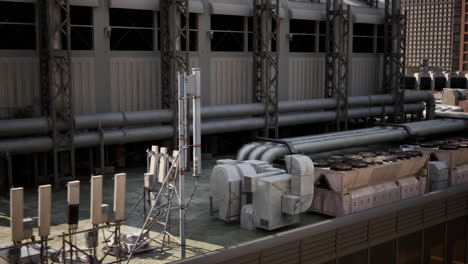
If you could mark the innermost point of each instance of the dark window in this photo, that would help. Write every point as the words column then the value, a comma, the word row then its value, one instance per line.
column 131, row 29
column 322, row 36
column 302, row 35
column 456, row 241
column 227, row 33
column 409, row 249
column 384, row 253
column 363, row 38
column 81, row 28
column 380, row 38
column 17, row 26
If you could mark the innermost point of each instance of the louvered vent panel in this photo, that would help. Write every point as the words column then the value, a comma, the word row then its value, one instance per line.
column 409, row 220
column 248, row 259
column 318, row 247
column 434, row 212
column 382, row 227
column 457, row 206
column 288, row 253
column 352, row 236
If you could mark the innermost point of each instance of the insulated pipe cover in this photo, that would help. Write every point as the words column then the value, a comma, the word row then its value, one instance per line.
column 39, row 126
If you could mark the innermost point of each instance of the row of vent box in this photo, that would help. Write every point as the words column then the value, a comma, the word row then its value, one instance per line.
column 434, row 83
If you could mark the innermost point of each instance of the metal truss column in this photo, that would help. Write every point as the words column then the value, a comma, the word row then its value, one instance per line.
column 174, row 24
column 394, row 56
column 266, row 26
column 337, row 59
column 55, row 80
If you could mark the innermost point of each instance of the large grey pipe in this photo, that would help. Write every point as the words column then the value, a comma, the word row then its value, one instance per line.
column 138, row 134
column 361, row 138
column 40, row 126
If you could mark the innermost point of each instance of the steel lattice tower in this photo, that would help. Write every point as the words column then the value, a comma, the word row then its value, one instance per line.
column 266, row 23
column 394, row 56
column 174, row 23
column 337, row 59
column 55, row 82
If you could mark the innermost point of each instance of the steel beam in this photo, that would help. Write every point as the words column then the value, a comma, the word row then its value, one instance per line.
column 266, row 26
column 394, row 56
column 337, row 59
column 174, row 24
column 56, row 83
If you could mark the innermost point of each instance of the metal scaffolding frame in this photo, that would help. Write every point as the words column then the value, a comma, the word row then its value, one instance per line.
column 174, row 24
column 394, row 56
column 338, row 25
column 55, row 80
column 266, row 27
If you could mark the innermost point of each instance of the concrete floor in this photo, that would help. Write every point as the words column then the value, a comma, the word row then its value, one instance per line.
column 204, row 233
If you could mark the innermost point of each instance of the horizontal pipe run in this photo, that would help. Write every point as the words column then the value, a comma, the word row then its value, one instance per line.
column 40, row 126
column 363, row 137
column 138, row 134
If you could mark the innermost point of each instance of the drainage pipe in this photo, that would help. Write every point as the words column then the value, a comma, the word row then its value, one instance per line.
column 136, row 134
column 40, row 126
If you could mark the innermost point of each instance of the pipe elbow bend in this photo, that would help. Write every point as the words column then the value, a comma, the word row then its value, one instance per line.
column 274, row 153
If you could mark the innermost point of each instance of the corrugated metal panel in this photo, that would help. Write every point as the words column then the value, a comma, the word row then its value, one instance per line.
column 365, row 73
column 231, row 80
column 306, row 78
column 135, row 84
column 19, row 83
column 84, row 85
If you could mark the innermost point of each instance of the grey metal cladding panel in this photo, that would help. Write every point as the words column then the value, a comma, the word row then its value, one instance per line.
column 365, row 73
column 457, row 205
column 231, row 80
column 306, row 78
column 84, row 85
column 409, row 220
column 434, row 213
column 19, row 83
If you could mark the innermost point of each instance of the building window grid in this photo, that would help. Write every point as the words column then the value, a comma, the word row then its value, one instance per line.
column 420, row 18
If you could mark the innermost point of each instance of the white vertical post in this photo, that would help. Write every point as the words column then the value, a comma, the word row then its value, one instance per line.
column 16, row 214
column 182, row 117
column 182, row 162
column 96, row 200
column 73, row 200
column 186, row 125
column 197, row 162
column 44, row 209
column 162, row 165
column 119, row 196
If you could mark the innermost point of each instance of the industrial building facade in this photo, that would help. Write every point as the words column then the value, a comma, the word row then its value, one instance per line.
column 116, row 53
